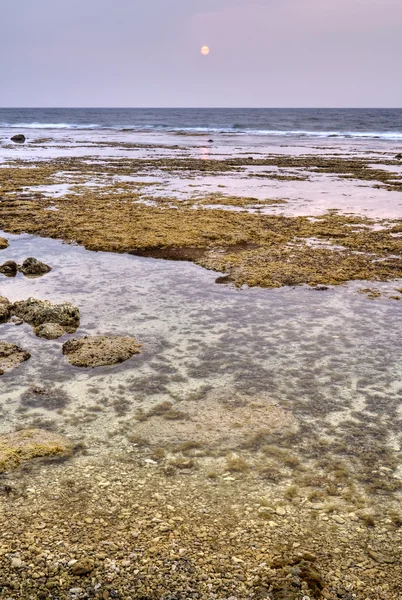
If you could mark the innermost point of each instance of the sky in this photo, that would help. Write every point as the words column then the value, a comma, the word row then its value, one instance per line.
column 146, row 53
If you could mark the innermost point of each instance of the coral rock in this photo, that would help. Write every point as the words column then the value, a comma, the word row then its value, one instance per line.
column 98, row 351
column 11, row 356
column 37, row 312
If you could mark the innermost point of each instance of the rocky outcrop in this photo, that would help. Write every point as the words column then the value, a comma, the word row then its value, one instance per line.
column 38, row 312
column 5, row 309
column 11, row 356
column 9, row 268
column 3, row 243
column 49, row 331
column 98, row 351
column 19, row 138
column 33, row 266
column 20, row 446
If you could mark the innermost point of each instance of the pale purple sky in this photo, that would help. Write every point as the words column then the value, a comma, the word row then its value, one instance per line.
column 264, row 53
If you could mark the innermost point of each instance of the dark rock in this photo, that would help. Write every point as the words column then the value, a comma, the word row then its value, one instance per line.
column 210, row 141
column 9, row 268
column 33, row 266
column 398, row 156
column 19, row 138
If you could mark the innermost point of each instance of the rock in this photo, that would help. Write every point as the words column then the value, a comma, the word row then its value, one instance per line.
column 98, row 351
column 50, row 331
column 20, row 446
column 398, row 156
column 5, row 309
column 82, row 567
column 281, row 511
column 9, row 268
column 11, row 356
column 338, row 519
column 16, row 563
column 19, row 138
column 33, row 266
column 37, row 312
column 3, row 243
column 210, row 141
column 16, row 320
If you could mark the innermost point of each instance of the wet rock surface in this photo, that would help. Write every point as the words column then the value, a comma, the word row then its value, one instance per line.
column 11, row 356
column 3, row 243
column 100, row 351
column 38, row 312
column 49, row 331
column 21, row 446
column 5, row 309
column 32, row 266
column 9, row 268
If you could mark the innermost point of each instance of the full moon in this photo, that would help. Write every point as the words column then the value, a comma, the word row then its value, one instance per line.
column 205, row 50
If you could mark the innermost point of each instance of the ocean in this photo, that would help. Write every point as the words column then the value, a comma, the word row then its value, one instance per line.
column 353, row 123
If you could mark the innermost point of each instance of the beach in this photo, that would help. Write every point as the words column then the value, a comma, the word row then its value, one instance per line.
column 249, row 444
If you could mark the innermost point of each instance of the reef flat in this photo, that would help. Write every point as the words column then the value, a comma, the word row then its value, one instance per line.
column 253, row 249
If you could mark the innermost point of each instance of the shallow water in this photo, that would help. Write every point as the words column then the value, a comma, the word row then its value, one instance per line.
column 320, row 354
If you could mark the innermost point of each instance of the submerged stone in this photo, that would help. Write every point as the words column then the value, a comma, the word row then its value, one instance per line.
column 37, row 312
column 33, row 266
column 49, row 331
column 11, row 356
column 20, row 446
column 9, row 268
column 99, row 351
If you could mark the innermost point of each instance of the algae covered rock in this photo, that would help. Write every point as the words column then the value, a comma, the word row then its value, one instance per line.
column 32, row 266
column 11, row 356
column 37, row 312
column 9, row 268
column 3, row 243
column 5, row 309
column 20, row 446
column 49, row 331
column 99, row 351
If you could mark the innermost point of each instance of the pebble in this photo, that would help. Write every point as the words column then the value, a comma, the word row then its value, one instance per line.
column 16, row 563
column 338, row 519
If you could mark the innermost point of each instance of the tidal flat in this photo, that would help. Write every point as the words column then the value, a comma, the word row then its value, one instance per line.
column 252, row 448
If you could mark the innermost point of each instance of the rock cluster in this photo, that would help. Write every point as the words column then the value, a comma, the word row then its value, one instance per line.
column 99, row 351
column 11, row 356
column 39, row 313
column 31, row 267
